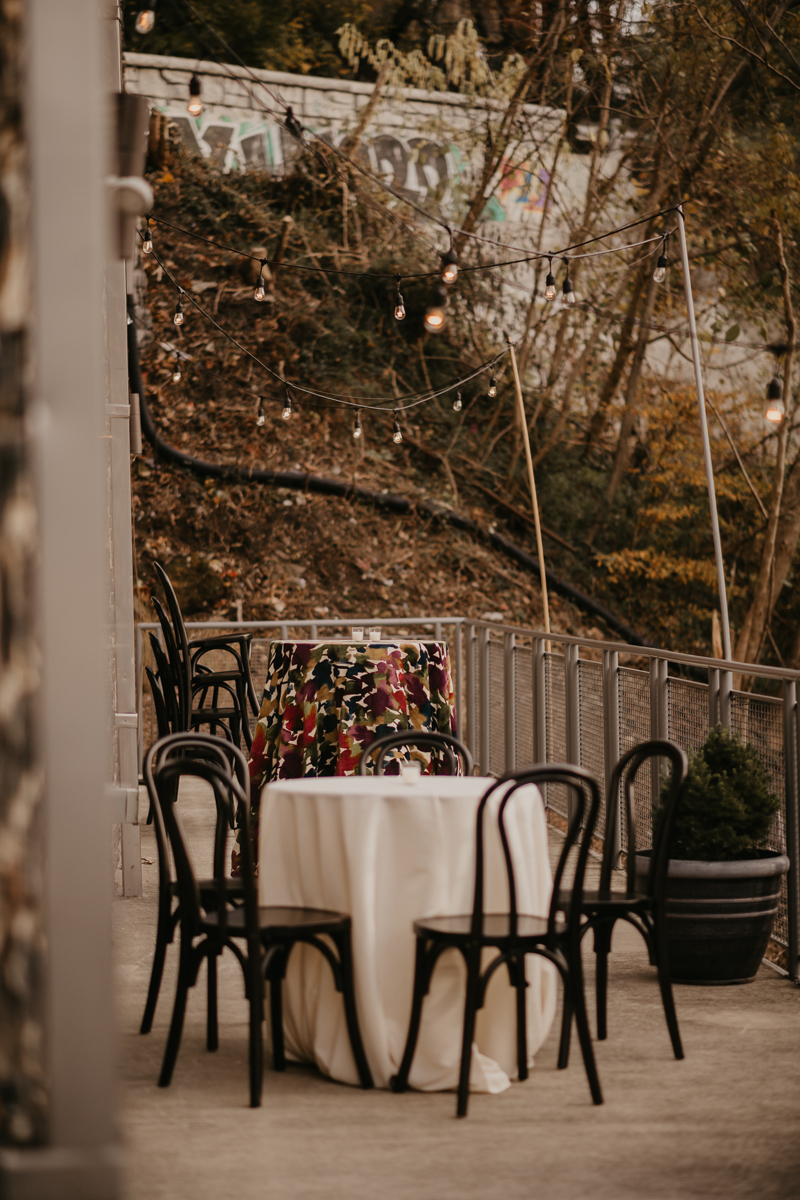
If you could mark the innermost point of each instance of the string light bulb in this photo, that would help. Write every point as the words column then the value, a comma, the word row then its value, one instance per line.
column 357, row 427
column 176, row 374
column 180, row 316
column 568, row 297
column 550, row 283
column 195, row 105
column 457, row 405
column 147, row 240
column 261, row 416
column 449, row 266
column 287, row 406
column 662, row 262
column 775, row 409
column 145, row 20
column 434, row 317
column 493, row 386
column 261, row 287
column 399, row 303
column 397, row 433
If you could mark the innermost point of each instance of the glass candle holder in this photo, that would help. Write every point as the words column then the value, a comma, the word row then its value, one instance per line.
column 357, row 633
column 375, row 635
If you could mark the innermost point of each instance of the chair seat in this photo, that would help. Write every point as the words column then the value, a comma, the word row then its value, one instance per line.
column 607, row 901
column 496, row 928
column 276, row 919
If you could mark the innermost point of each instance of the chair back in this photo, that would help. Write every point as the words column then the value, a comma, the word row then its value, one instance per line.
column 624, row 774
column 422, row 739
column 180, row 639
column 169, row 690
column 159, row 704
column 579, row 782
column 190, row 754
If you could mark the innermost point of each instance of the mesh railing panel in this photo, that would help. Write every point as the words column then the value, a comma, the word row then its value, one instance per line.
column 590, row 724
column 687, row 704
column 523, row 707
column 556, row 708
column 497, row 709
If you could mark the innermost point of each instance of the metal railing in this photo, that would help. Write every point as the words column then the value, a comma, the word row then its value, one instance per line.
column 523, row 696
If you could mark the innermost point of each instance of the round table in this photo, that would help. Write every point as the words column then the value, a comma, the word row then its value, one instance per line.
column 324, row 702
column 387, row 851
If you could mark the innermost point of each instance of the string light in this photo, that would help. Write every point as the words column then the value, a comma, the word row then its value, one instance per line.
column 457, row 405
column 147, row 240
column 660, row 273
column 180, row 316
column 434, row 317
column 775, row 409
column 261, row 416
column 176, row 374
column 145, row 20
column 287, row 406
column 449, row 266
column 568, row 296
column 195, row 105
column 397, row 433
column 493, row 386
column 357, row 427
column 261, row 287
column 399, row 304
column 549, row 285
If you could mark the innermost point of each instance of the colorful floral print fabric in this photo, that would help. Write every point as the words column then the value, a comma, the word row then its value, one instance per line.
column 324, row 703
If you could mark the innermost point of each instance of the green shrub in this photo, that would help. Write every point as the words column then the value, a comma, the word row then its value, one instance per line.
column 727, row 807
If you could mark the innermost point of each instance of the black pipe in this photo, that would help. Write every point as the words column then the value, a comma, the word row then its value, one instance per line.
column 350, row 491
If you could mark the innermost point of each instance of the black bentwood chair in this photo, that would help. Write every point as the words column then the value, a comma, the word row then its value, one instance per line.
column 422, row 739
column 269, row 933
column 196, row 681
column 228, row 758
column 513, row 935
column 644, row 907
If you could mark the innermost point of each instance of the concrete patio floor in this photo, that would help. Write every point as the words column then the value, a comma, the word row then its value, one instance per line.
column 725, row 1122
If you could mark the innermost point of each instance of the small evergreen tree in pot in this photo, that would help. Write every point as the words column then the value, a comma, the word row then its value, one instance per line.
column 723, row 885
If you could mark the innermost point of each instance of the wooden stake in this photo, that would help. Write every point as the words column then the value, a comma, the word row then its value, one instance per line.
column 531, row 480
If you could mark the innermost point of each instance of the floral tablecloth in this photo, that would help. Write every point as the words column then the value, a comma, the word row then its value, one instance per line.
column 324, row 702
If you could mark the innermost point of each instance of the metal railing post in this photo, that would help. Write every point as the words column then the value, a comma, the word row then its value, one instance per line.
column 456, row 667
column 572, row 713
column 471, row 691
column 659, row 714
column 611, row 743
column 725, row 687
column 509, row 681
column 484, row 699
column 791, row 733
column 713, row 697
column 539, row 701
column 138, row 651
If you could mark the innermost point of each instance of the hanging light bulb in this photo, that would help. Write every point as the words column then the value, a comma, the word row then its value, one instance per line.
column 195, row 105
column 399, row 303
column 176, row 374
column 493, row 386
column 287, row 406
column 550, row 283
column 261, row 416
column 660, row 273
column 457, row 405
column 397, row 433
column 147, row 240
column 775, row 410
column 261, row 287
column 145, row 20
column 568, row 296
column 180, row 316
column 434, row 317
column 357, row 426
column 449, row 266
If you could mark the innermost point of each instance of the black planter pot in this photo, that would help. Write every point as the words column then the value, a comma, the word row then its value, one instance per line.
column 720, row 915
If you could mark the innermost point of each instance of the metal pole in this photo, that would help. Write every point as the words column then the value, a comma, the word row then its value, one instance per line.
column 790, row 748
column 712, row 499
column 611, row 732
column 532, row 481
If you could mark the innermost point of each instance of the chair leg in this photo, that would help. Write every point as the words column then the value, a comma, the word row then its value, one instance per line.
column 566, row 1029
column 399, row 1082
column 602, row 947
column 156, row 972
column 345, row 948
column 178, row 1013
column 522, row 1020
column 582, row 1023
column 470, row 1010
column 659, row 945
column 212, row 1028
column 275, row 978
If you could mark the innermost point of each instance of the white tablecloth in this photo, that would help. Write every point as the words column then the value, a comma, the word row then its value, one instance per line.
column 388, row 852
